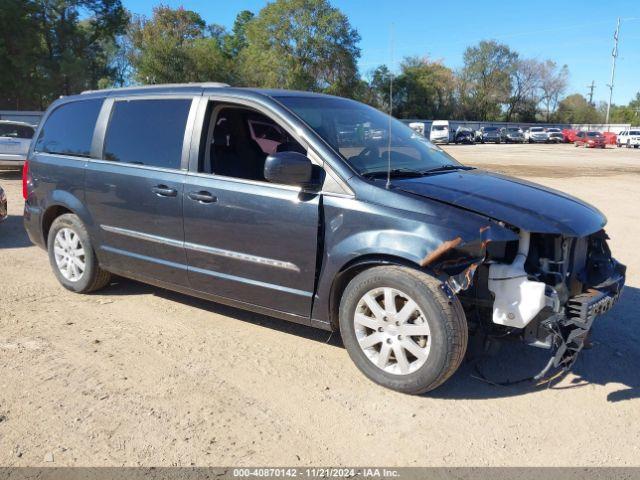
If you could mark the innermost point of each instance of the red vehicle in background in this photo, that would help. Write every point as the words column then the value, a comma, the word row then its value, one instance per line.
column 610, row 138
column 569, row 135
column 590, row 140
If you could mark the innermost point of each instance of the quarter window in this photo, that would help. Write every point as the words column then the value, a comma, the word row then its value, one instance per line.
column 147, row 132
column 69, row 129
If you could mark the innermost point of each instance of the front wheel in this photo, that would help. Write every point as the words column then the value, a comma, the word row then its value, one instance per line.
column 401, row 329
column 72, row 257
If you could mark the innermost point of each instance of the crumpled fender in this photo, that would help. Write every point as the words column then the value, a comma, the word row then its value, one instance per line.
column 447, row 242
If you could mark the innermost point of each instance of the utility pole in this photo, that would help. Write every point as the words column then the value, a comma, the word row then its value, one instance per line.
column 591, row 89
column 614, row 54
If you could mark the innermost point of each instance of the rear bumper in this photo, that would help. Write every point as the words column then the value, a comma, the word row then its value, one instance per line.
column 3, row 207
column 32, row 219
column 12, row 160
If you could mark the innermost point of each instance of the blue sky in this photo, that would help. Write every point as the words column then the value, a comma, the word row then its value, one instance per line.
column 579, row 34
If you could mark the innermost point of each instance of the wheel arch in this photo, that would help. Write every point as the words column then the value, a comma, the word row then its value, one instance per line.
column 60, row 203
column 358, row 265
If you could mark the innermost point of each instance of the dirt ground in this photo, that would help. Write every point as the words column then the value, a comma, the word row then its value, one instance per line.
column 136, row 375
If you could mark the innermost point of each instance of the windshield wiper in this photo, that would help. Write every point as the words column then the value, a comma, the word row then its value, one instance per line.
column 393, row 173
column 446, row 168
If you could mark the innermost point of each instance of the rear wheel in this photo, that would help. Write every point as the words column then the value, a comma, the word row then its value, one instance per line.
column 72, row 257
column 401, row 330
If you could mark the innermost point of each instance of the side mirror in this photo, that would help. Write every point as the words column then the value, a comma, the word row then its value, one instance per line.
column 289, row 168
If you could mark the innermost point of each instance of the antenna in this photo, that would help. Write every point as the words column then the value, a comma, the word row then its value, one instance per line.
column 390, row 107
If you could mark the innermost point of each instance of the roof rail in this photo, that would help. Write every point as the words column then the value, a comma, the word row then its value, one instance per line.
column 161, row 85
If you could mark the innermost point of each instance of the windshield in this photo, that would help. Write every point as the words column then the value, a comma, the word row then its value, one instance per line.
column 554, row 130
column 439, row 127
column 367, row 149
column 594, row 134
column 634, row 132
column 490, row 129
column 513, row 130
column 537, row 129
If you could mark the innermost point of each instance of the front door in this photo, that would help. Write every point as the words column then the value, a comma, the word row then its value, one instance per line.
column 134, row 194
column 247, row 239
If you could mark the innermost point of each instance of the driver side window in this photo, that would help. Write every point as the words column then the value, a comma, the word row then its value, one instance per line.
column 238, row 141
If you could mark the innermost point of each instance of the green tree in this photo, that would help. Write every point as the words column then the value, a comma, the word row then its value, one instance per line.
column 175, row 45
column 237, row 39
column 47, row 50
column 627, row 113
column 576, row 109
column 486, row 79
column 19, row 52
column 424, row 89
column 301, row 44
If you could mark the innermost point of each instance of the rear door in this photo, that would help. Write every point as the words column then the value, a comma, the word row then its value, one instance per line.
column 134, row 193
column 247, row 239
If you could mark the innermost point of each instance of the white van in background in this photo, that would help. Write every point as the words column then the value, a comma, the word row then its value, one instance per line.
column 417, row 127
column 439, row 131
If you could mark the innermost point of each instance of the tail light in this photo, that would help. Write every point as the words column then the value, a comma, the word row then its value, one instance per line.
column 26, row 180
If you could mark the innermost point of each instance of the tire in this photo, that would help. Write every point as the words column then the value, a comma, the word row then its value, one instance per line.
column 440, row 351
column 628, row 144
column 67, row 238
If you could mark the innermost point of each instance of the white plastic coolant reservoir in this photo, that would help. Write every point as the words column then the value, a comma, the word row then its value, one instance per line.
column 517, row 300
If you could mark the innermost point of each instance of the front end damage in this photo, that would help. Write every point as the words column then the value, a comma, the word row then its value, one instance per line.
column 543, row 289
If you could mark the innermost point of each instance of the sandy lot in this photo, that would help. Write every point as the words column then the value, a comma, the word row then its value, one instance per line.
column 136, row 375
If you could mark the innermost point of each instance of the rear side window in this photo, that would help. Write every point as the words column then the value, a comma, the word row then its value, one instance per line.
column 69, row 129
column 147, row 132
column 12, row 130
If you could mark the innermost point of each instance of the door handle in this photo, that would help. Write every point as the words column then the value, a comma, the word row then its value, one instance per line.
column 164, row 191
column 203, row 197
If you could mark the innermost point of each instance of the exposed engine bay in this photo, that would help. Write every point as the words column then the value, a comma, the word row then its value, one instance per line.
column 543, row 289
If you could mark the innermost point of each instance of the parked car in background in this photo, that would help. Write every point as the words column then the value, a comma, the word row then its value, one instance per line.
column 490, row 134
column 15, row 138
column 512, row 135
column 464, row 135
column 417, row 127
column 439, row 132
column 629, row 138
column 590, row 139
column 3, row 205
column 610, row 138
column 391, row 243
column 555, row 135
column 536, row 135
column 569, row 135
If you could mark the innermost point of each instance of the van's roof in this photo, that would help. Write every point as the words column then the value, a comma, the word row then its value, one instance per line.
column 196, row 88
column 440, row 122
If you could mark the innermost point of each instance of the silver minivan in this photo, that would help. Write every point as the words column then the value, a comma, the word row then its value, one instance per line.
column 15, row 139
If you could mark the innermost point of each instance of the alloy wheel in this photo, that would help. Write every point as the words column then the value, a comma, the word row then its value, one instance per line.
column 392, row 331
column 69, row 254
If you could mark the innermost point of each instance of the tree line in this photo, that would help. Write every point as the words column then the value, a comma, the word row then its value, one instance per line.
column 50, row 48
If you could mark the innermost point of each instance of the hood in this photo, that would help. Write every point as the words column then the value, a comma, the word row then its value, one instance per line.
column 517, row 202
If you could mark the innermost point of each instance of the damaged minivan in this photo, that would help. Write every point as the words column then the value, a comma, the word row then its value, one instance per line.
column 318, row 210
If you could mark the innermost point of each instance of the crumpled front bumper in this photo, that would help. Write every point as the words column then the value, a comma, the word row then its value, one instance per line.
column 571, row 330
